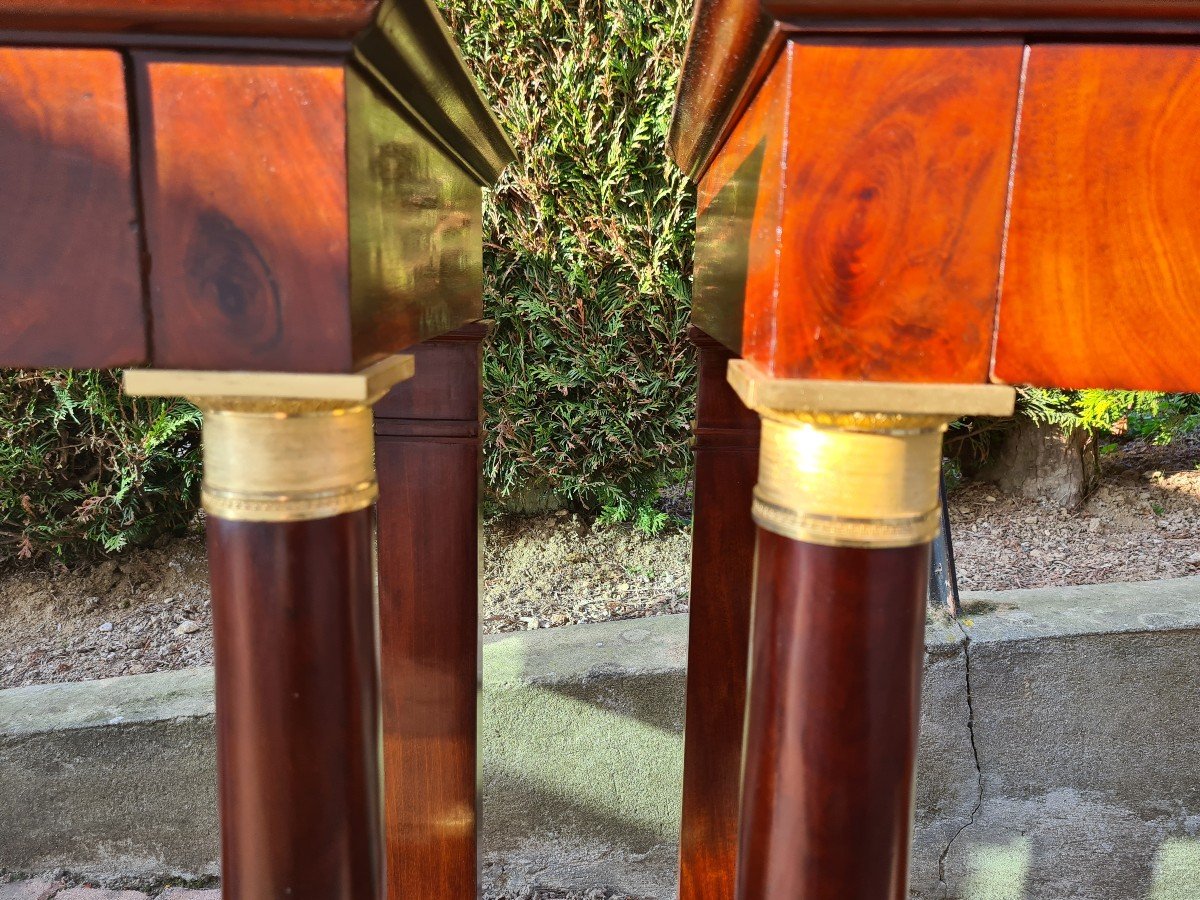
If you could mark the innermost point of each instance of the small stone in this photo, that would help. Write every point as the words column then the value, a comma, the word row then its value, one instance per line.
column 185, row 894
column 531, row 622
column 187, row 626
column 30, row 890
column 990, row 499
column 1194, row 558
column 107, row 626
column 1093, row 525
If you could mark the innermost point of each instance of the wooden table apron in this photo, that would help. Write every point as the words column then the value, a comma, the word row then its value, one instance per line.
column 901, row 196
column 265, row 203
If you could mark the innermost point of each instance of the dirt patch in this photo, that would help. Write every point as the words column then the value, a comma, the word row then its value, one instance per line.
column 1142, row 523
column 559, row 570
column 150, row 611
column 144, row 612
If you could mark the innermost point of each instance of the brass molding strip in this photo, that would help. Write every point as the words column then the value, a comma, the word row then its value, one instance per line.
column 365, row 386
column 850, row 464
column 760, row 391
column 283, row 447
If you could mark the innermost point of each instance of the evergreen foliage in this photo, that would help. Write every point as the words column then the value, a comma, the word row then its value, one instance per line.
column 86, row 471
column 588, row 237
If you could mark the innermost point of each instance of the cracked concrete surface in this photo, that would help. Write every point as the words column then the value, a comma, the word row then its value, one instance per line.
column 1057, row 758
column 1085, row 727
column 966, row 655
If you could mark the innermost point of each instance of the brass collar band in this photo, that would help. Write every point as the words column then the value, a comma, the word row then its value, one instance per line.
column 853, row 464
column 849, row 480
column 283, row 447
column 286, row 461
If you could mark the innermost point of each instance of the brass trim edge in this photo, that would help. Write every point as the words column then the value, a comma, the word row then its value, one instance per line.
column 851, row 464
column 760, row 391
column 283, row 447
column 365, row 386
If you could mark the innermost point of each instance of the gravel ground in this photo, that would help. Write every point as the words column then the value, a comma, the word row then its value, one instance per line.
column 150, row 611
column 1142, row 523
column 60, row 885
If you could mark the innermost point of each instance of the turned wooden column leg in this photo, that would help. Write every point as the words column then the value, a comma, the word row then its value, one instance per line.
column 833, row 718
column 726, row 452
column 847, row 506
column 297, row 707
column 428, row 454
column 289, row 480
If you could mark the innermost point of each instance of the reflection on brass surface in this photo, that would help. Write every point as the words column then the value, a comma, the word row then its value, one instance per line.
column 277, row 449
column 271, row 460
column 723, row 253
column 850, row 480
column 759, row 390
column 410, row 51
column 416, row 229
column 854, row 464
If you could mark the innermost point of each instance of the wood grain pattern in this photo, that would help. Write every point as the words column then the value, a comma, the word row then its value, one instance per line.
column 1101, row 276
column 895, row 188
column 70, row 275
column 731, row 44
column 831, row 732
column 291, row 18
column 297, row 708
column 739, row 205
column 428, row 457
column 246, row 204
column 416, row 232
column 719, row 631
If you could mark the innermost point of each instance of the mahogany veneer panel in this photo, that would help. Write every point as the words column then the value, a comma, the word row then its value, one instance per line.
column 308, row 18
column 893, row 214
column 875, row 239
column 726, row 451
column 428, row 455
column 297, row 220
column 70, row 277
column 1102, row 274
column 246, row 203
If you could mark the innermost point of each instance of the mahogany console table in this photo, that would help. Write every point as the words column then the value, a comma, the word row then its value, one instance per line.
column 263, row 201
column 904, row 206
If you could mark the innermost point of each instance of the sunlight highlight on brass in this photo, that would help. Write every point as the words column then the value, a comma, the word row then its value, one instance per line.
column 283, row 447
column 854, row 464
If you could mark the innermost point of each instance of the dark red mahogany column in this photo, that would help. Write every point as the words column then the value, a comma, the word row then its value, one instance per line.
column 719, row 632
column 297, row 707
column 833, row 719
column 847, row 505
column 428, row 453
column 289, row 480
